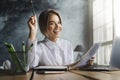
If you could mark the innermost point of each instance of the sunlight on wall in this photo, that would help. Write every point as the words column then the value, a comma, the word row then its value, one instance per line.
column 117, row 17
column 103, row 29
column 106, row 26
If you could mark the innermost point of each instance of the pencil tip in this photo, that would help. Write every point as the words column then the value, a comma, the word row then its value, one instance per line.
column 31, row 1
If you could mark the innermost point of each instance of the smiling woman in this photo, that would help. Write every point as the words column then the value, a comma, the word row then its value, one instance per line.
column 52, row 50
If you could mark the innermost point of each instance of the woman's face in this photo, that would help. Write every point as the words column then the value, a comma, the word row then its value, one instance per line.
column 54, row 27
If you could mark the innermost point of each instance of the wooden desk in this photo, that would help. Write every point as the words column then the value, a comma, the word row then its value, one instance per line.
column 103, row 75
column 72, row 75
column 15, row 77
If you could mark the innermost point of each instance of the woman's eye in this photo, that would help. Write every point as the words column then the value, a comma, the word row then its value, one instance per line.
column 51, row 23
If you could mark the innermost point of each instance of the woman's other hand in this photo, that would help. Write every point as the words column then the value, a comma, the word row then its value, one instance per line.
column 91, row 61
column 33, row 26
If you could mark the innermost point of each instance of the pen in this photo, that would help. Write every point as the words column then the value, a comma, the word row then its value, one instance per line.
column 32, row 75
column 33, row 10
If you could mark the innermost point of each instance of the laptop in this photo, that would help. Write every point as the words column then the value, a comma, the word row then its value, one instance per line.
column 114, row 63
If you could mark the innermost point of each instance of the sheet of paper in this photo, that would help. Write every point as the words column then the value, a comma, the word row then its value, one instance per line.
column 87, row 56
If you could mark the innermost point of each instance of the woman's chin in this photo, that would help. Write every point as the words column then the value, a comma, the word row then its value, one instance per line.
column 56, row 35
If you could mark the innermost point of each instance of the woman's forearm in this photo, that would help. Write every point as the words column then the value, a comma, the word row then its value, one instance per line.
column 32, row 58
column 32, row 23
column 32, row 35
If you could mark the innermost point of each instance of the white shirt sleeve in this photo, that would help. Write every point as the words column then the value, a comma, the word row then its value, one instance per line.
column 70, row 54
column 33, row 54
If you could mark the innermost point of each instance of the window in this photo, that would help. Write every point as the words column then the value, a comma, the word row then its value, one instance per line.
column 103, row 29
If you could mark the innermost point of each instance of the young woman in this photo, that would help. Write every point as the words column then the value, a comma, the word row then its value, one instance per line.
column 52, row 50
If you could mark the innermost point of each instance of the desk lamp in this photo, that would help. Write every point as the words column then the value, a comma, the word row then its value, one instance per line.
column 78, row 49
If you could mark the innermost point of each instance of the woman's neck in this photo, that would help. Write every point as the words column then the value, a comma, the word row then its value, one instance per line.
column 53, row 39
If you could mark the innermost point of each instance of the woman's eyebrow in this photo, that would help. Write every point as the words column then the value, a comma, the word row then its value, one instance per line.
column 51, row 21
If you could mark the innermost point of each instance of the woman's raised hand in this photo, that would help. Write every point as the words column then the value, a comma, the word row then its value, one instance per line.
column 33, row 26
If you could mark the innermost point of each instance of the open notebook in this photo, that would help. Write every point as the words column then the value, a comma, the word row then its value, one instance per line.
column 114, row 63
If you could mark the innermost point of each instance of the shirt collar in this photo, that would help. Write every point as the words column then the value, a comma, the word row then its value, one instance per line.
column 51, row 43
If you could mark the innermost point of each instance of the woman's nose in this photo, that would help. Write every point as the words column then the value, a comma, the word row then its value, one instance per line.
column 56, row 26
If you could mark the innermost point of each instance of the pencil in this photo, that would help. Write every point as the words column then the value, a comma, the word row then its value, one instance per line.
column 32, row 75
column 33, row 10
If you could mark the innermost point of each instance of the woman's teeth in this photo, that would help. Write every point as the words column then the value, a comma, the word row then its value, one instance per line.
column 56, row 30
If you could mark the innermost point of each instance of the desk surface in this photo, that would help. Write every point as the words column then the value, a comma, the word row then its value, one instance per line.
column 72, row 75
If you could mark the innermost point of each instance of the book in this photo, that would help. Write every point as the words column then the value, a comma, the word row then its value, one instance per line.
column 49, row 72
column 51, row 68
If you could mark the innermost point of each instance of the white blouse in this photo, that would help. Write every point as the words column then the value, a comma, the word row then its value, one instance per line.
column 49, row 53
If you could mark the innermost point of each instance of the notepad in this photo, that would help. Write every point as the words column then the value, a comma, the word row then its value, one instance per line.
column 49, row 72
column 51, row 68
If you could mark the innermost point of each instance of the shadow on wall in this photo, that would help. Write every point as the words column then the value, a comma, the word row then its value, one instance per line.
column 14, row 15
